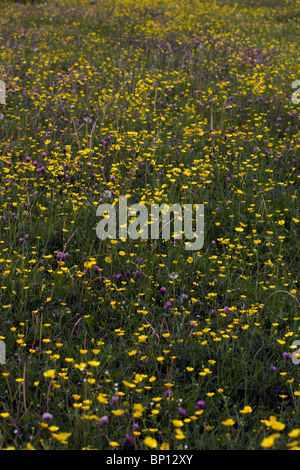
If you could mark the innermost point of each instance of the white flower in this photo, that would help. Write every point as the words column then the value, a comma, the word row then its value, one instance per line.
column 173, row 275
column 107, row 193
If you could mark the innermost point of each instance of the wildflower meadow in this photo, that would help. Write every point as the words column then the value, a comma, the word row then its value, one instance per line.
column 143, row 343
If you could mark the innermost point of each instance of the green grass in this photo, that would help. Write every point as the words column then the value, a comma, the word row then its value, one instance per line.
column 165, row 103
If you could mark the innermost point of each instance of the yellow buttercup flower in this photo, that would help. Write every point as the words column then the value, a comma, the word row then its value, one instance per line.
column 177, row 423
column 247, row 409
column 150, row 442
column 49, row 373
column 228, row 422
column 269, row 441
column 62, row 436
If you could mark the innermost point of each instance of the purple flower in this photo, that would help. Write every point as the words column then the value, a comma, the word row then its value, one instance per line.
column 287, row 355
column 114, row 399
column 61, row 255
column 168, row 305
column 104, row 420
column 47, row 416
column 181, row 411
column 225, row 309
column 129, row 440
column 200, row 405
column 163, row 290
column 272, row 369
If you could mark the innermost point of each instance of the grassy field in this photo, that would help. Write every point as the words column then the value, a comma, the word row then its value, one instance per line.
column 141, row 344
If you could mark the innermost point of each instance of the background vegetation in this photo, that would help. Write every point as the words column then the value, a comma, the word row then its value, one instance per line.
column 141, row 344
